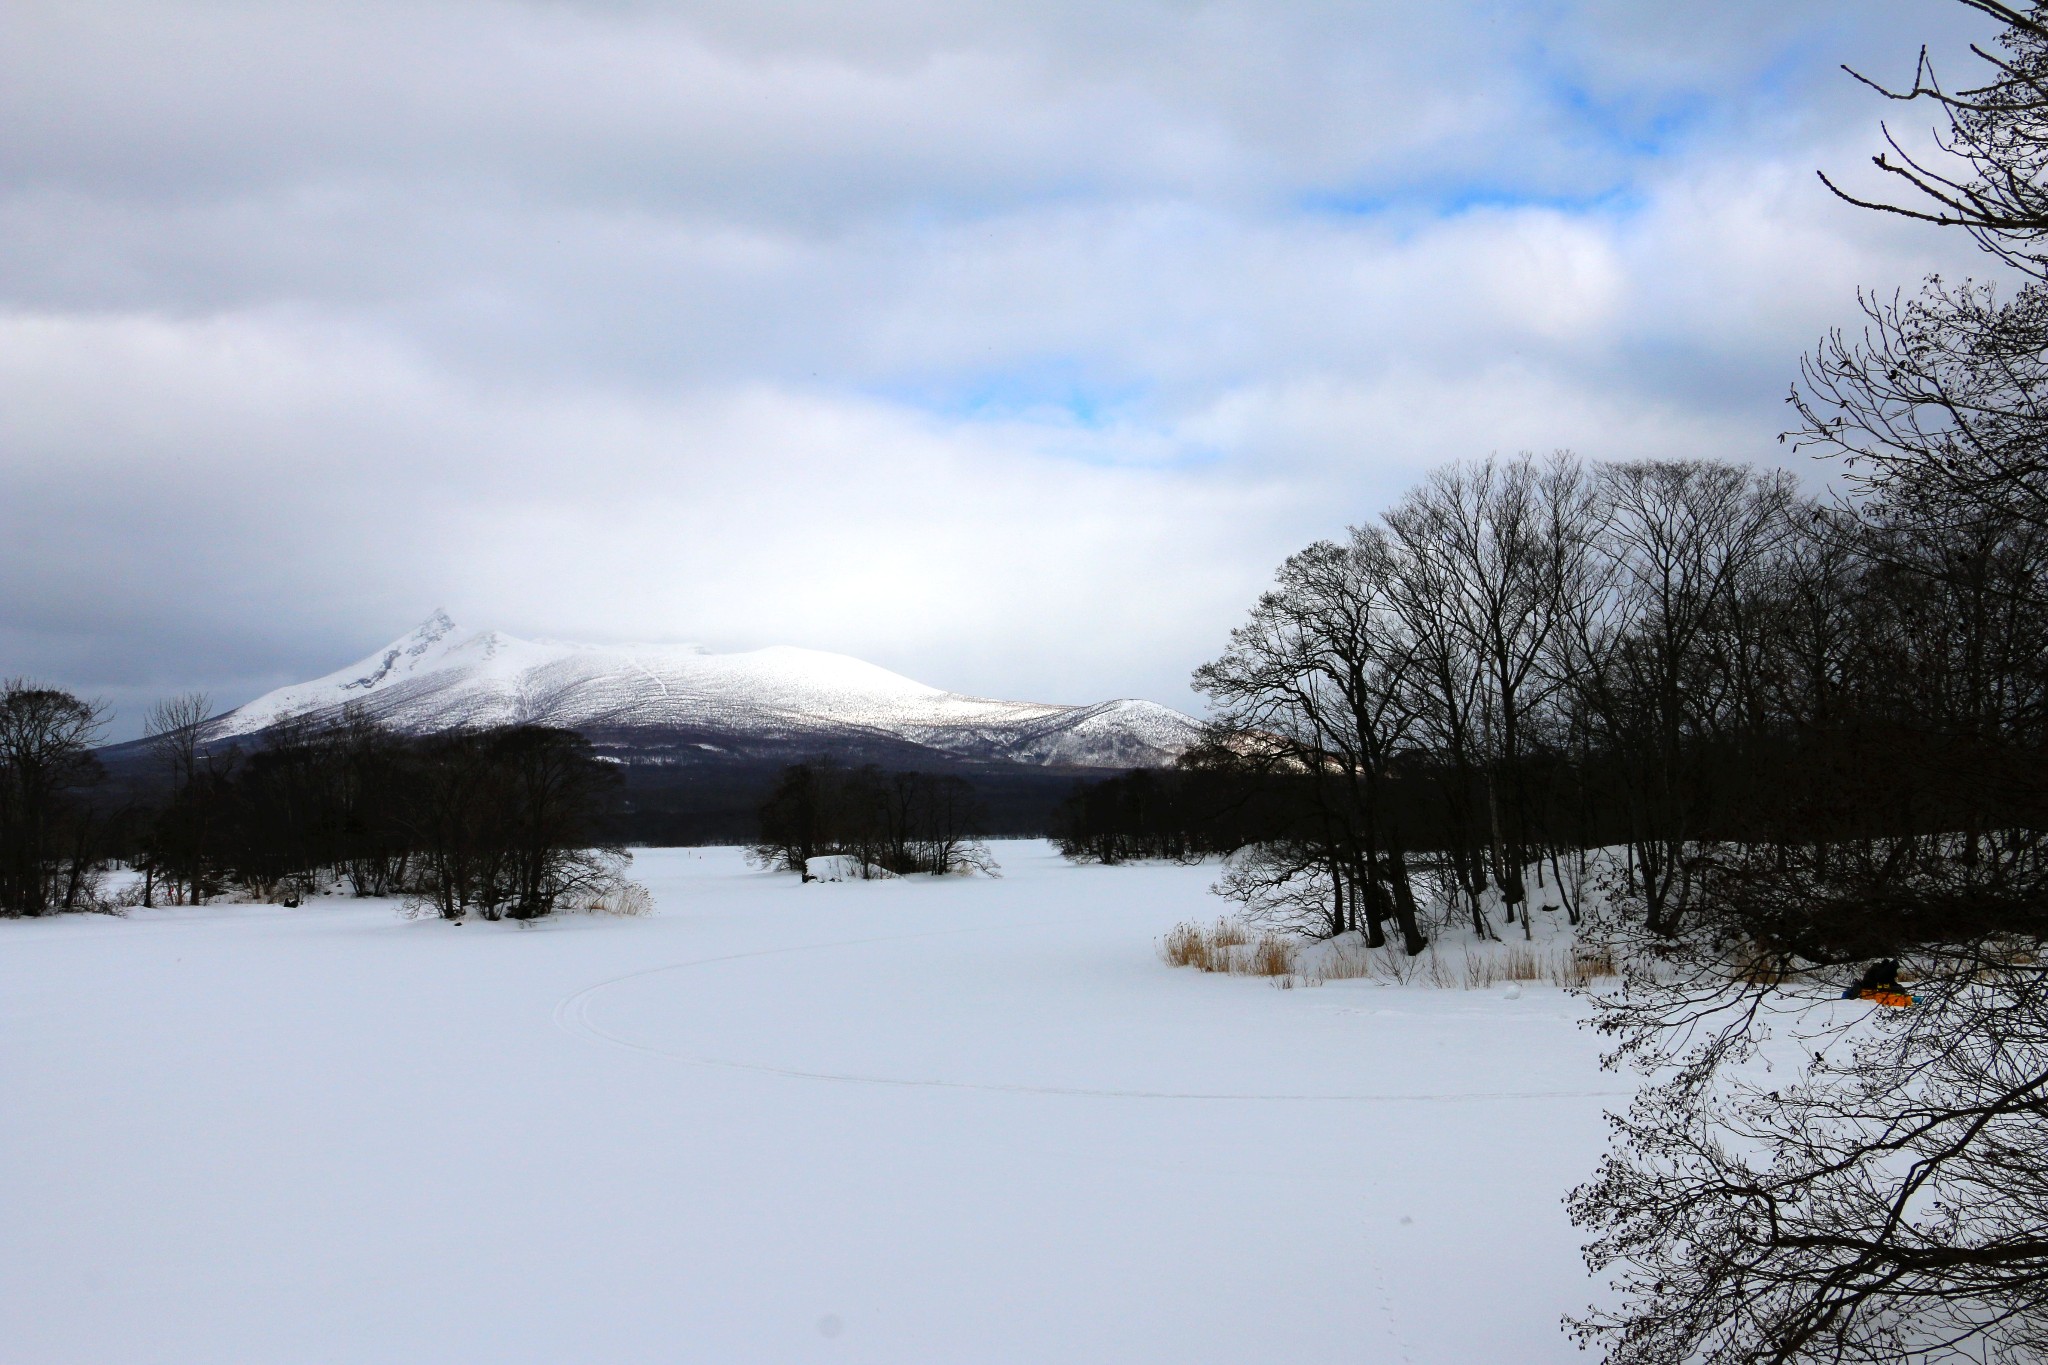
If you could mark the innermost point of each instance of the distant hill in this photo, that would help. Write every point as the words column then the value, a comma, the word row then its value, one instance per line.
column 701, row 734
column 442, row 675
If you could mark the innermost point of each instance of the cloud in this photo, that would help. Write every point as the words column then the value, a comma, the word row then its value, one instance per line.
column 1007, row 345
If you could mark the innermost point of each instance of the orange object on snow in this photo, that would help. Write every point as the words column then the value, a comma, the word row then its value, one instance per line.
column 1880, row 985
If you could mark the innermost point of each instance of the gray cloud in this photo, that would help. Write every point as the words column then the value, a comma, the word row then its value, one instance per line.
column 1007, row 345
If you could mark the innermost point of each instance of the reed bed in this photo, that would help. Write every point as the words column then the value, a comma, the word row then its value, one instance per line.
column 1230, row 947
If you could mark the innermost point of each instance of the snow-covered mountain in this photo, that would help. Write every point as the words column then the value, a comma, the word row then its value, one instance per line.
column 442, row 675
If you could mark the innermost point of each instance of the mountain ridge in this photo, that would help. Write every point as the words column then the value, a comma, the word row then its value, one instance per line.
column 442, row 676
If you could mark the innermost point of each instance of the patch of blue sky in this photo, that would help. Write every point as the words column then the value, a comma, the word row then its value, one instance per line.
column 1607, row 141
column 1781, row 79
column 1081, row 418
column 1042, row 390
column 1640, row 128
column 1457, row 200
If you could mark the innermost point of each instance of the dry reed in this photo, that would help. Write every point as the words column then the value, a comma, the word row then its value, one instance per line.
column 1185, row 945
column 1272, row 955
column 1228, row 947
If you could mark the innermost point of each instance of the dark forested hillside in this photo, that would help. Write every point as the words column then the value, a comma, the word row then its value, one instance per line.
column 679, row 789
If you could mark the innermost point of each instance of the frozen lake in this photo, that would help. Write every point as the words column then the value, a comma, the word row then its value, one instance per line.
column 963, row 1121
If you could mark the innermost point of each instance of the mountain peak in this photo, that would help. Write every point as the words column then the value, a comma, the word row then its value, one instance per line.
column 434, row 628
column 442, row 676
column 404, row 654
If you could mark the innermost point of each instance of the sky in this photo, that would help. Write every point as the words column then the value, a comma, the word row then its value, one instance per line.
column 1009, row 344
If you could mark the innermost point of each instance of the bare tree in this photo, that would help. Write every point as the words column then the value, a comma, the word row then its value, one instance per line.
column 1940, row 399
column 175, row 729
column 1877, row 1195
column 1650, row 648
column 1508, row 542
column 1938, row 402
column 1446, row 687
column 888, row 823
column 175, row 732
column 1986, row 174
column 1317, row 683
column 46, row 740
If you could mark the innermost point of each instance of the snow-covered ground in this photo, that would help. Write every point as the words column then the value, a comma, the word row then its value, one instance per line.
column 906, row 1121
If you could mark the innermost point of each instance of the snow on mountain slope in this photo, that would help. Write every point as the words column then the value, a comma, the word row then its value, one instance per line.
column 443, row 675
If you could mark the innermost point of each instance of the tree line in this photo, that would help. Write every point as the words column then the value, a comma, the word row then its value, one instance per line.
column 1527, row 659
column 1681, row 659
column 502, row 822
column 895, row 823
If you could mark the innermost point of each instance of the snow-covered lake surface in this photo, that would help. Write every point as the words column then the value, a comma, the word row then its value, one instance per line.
column 907, row 1121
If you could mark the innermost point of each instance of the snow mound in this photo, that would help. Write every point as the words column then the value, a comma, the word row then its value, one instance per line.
column 843, row 867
